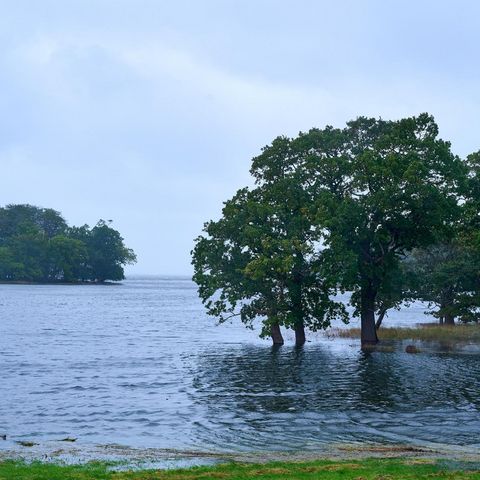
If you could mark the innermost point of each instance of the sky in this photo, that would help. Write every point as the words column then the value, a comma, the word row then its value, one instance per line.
column 148, row 112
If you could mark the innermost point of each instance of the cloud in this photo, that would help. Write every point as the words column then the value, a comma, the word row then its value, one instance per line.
column 150, row 114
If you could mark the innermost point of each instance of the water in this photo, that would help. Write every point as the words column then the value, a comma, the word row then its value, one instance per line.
column 141, row 365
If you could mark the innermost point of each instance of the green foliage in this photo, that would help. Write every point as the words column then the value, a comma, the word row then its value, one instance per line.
column 64, row 256
column 346, row 205
column 471, row 210
column 36, row 244
column 106, row 253
column 378, row 189
column 10, row 268
column 447, row 277
column 447, row 274
column 259, row 261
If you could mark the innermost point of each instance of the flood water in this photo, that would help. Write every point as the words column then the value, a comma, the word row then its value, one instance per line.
column 140, row 364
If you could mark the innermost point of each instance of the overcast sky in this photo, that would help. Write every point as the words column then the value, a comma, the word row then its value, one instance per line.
column 149, row 112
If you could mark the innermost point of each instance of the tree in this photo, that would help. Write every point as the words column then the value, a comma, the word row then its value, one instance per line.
column 52, row 223
column 107, row 253
column 371, row 192
column 65, row 255
column 383, row 188
column 447, row 276
column 259, row 261
column 82, row 270
column 19, row 219
column 29, row 253
column 395, row 292
column 471, row 208
column 10, row 268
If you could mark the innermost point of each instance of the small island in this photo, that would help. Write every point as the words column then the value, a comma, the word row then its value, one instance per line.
column 38, row 246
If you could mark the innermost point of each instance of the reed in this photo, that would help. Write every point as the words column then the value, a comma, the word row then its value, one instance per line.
column 427, row 332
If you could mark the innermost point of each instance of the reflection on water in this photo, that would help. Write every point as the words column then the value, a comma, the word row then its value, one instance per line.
column 141, row 365
column 291, row 399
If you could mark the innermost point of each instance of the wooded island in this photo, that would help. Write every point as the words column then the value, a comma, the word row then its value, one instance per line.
column 37, row 245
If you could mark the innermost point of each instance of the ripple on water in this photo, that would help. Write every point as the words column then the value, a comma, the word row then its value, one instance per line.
column 140, row 364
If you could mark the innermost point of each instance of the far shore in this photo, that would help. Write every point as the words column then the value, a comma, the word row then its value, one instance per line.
column 60, row 282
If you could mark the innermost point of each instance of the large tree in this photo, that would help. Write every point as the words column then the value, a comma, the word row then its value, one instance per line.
column 447, row 274
column 383, row 188
column 373, row 191
column 349, row 203
column 259, row 261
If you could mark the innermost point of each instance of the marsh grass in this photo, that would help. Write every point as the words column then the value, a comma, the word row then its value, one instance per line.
column 427, row 332
column 368, row 469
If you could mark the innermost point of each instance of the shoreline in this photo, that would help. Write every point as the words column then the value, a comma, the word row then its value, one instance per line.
column 60, row 282
column 70, row 451
column 399, row 467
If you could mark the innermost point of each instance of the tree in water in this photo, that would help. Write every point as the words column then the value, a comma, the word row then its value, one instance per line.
column 447, row 277
column 382, row 188
column 259, row 261
column 365, row 196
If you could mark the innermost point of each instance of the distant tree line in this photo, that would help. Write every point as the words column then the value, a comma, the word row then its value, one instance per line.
column 382, row 209
column 37, row 245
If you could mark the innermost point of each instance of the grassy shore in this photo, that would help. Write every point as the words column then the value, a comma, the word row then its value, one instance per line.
column 369, row 469
column 427, row 332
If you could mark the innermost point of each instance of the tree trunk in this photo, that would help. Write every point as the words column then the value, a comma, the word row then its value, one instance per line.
column 380, row 318
column 367, row 313
column 446, row 306
column 440, row 320
column 299, row 334
column 297, row 306
column 449, row 319
column 276, row 334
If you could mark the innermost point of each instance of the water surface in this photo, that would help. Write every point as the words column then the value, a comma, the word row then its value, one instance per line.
column 140, row 364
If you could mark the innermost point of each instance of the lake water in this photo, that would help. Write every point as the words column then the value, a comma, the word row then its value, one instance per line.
column 141, row 365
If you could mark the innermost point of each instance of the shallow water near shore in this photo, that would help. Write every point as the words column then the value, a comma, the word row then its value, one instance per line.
column 141, row 365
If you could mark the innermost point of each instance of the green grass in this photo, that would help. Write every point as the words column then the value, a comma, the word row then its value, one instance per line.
column 369, row 469
column 444, row 333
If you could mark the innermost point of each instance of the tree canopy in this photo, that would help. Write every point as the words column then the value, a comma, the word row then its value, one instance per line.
column 259, row 261
column 36, row 244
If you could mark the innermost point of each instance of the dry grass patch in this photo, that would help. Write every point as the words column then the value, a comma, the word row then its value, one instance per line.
column 427, row 332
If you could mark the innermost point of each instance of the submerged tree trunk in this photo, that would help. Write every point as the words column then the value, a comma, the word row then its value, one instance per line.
column 276, row 334
column 300, row 338
column 449, row 319
column 297, row 305
column 367, row 313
